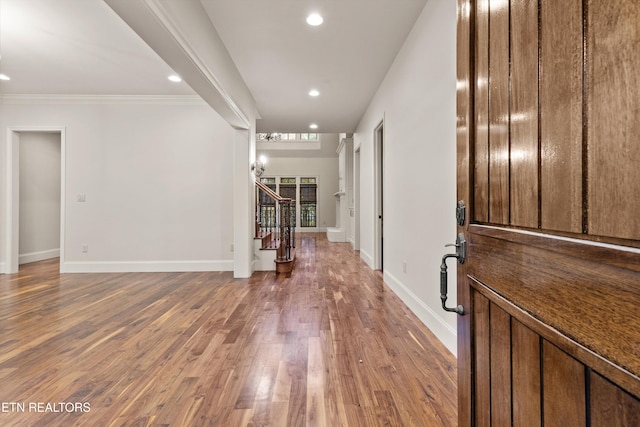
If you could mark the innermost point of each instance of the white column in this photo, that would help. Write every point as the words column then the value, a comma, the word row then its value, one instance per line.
column 243, row 203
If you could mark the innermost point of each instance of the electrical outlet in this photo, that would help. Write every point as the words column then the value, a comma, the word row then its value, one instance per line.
column 231, row 247
column 404, row 266
column 81, row 198
column 85, row 248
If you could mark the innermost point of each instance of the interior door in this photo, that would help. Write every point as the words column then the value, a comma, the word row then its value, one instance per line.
column 548, row 140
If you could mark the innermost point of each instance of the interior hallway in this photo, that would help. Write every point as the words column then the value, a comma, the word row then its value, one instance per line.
column 330, row 345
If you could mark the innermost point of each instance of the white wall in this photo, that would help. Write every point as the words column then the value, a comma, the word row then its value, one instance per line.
column 157, row 176
column 322, row 163
column 417, row 103
column 39, row 196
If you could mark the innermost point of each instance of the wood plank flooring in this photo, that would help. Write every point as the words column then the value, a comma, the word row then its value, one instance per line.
column 330, row 345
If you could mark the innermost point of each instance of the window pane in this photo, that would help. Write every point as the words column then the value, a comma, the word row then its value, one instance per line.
column 287, row 180
column 304, row 136
column 264, row 198
column 308, row 193
column 313, row 136
column 288, row 191
column 307, row 214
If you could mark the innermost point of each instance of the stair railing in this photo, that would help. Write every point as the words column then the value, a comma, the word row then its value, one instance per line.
column 275, row 216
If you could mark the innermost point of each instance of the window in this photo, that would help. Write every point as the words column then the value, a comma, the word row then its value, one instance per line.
column 308, row 202
column 303, row 190
column 288, row 190
column 276, row 136
column 267, row 205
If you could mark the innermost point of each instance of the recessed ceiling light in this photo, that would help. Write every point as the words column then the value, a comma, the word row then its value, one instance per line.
column 313, row 126
column 175, row 78
column 314, row 19
column 314, row 92
column 4, row 77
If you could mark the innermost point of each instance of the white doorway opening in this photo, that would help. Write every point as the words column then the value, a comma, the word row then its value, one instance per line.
column 11, row 203
column 379, row 196
column 356, row 202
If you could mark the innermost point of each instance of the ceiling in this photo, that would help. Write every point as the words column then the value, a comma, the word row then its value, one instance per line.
column 81, row 47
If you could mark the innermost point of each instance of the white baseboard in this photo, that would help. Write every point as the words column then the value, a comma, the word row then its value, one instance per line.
column 366, row 258
column 442, row 330
column 144, row 266
column 38, row 256
column 2, row 270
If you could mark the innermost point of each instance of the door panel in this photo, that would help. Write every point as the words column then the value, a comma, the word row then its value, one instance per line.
column 523, row 114
column 613, row 117
column 500, row 355
column 555, row 85
column 548, row 124
column 499, row 111
column 561, row 115
column 482, row 358
column 481, row 104
column 571, row 294
column 526, row 375
column 564, row 389
column 610, row 405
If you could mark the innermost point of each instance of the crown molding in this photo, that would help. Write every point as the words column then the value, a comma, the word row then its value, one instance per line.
column 19, row 99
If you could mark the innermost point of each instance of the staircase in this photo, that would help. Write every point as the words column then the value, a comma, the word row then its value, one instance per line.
column 274, row 239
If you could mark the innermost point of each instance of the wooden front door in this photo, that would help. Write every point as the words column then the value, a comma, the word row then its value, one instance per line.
column 548, row 144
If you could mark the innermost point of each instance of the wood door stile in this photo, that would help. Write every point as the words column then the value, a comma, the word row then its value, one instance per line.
column 464, row 164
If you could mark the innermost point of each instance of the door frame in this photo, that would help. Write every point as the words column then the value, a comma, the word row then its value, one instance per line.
column 11, row 224
column 378, row 172
column 356, row 197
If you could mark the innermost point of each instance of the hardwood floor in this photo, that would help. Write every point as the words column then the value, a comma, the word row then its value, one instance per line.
column 330, row 345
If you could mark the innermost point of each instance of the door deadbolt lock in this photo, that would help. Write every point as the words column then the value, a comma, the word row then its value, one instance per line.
column 461, row 213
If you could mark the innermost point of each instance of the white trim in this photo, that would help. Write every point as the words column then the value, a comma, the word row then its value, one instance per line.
column 356, row 198
column 364, row 255
column 38, row 256
column 145, row 266
column 288, row 145
column 11, row 224
column 378, row 185
column 19, row 99
column 442, row 330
